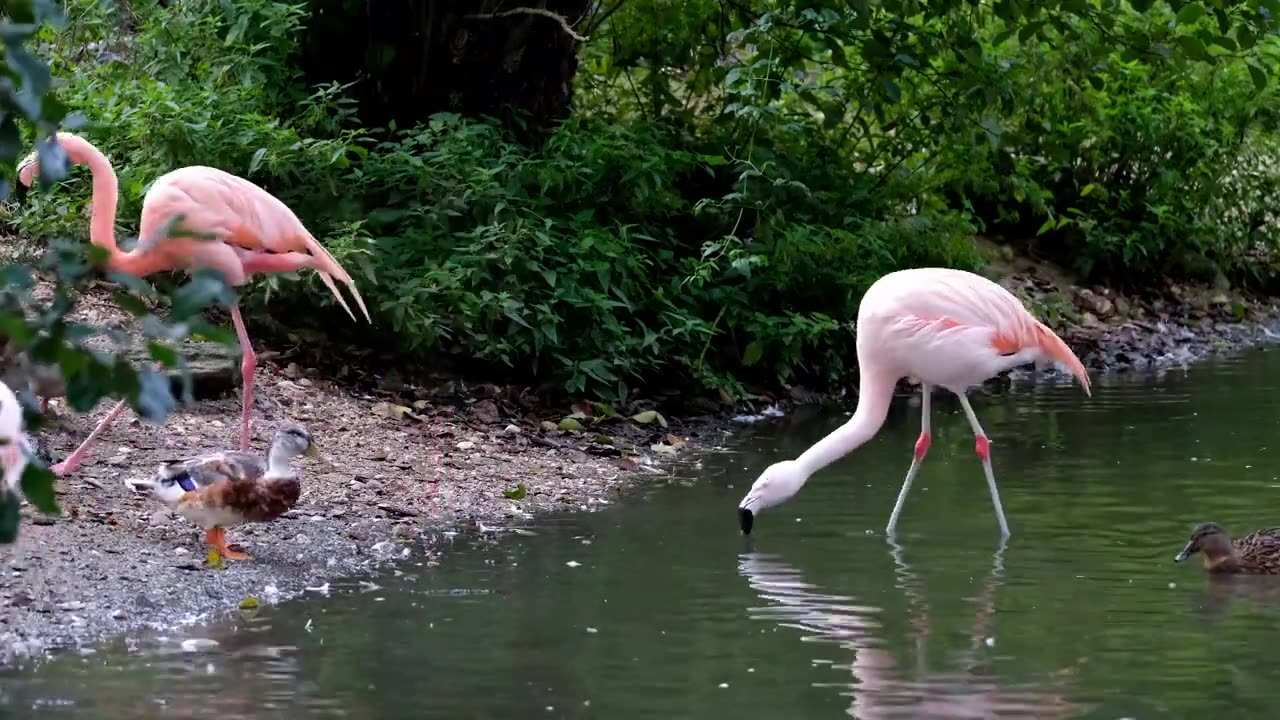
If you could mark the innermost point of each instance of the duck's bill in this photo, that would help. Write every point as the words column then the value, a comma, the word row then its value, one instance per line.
column 1186, row 553
column 136, row 485
column 313, row 451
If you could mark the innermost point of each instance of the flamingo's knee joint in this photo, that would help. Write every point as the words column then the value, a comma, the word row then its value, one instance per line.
column 922, row 445
column 983, row 446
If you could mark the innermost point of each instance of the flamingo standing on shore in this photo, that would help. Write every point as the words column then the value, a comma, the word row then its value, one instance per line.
column 944, row 327
column 251, row 231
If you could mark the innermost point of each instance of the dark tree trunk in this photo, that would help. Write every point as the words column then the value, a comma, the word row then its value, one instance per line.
column 412, row 58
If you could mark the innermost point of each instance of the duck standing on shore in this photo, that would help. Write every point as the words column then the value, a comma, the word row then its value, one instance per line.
column 227, row 488
column 1257, row 553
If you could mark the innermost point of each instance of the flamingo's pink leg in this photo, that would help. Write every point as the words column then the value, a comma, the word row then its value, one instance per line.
column 247, row 366
column 983, row 446
column 72, row 463
column 922, row 448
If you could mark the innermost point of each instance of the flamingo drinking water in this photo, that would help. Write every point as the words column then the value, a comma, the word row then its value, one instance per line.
column 948, row 328
column 251, row 231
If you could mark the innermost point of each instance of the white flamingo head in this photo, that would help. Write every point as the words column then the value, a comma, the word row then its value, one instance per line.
column 777, row 484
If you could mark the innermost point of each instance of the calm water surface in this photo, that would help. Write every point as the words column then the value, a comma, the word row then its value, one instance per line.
column 659, row 609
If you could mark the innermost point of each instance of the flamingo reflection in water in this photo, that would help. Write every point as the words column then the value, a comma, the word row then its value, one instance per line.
column 880, row 687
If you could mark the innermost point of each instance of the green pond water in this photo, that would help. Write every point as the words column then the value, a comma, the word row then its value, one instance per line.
column 658, row 608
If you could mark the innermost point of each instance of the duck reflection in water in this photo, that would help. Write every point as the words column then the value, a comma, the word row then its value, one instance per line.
column 880, row 687
column 1213, row 602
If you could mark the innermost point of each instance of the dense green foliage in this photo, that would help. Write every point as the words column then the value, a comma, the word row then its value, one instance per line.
column 734, row 176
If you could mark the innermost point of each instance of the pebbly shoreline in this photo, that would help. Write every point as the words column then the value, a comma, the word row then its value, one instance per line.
column 405, row 469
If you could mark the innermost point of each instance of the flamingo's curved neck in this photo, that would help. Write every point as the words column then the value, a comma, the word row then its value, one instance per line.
column 875, row 392
column 106, row 190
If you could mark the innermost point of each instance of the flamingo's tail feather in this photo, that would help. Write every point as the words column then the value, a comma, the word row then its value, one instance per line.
column 329, row 269
column 1053, row 346
column 327, row 279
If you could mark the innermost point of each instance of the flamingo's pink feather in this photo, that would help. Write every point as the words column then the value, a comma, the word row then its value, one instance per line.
column 953, row 329
column 250, row 227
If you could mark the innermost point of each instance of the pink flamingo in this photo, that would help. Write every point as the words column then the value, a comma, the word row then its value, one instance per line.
column 943, row 327
column 251, row 231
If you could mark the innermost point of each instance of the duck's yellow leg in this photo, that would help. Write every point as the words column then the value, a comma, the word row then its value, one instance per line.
column 217, row 539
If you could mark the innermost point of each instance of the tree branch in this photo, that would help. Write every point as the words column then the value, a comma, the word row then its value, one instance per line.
column 530, row 11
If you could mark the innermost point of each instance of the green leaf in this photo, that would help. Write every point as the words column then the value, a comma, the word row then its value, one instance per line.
column 1030, row 30
column 1193, row 47
column 37, row 487
column 1190, row 13
column 205, row 286
column 649, row 416
column 1226, row 43
column 256, row 161
column 838, row 57
column 891, row 89
column 10, row 140
column 1224, row 21
column 993, row 130
column 752, row 354
column 9, row 517
column 1245, row 38
column 1258, row 75
column 34, row 73
column 517, row 493
column 1088, row 189
column 155, row 397
column 570, row 424
column 163, row 354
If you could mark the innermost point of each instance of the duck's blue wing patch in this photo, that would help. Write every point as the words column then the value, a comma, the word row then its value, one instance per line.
column 185, row 482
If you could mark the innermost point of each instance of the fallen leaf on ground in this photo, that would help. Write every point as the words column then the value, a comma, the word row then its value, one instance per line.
column 649, row 416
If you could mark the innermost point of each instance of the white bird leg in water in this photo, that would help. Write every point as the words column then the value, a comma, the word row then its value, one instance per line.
column 983, row 446
column 922, row 447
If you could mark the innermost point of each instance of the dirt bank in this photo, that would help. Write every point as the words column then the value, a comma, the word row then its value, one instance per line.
column 385, row 489
column 1166, row 324
column 405, row 467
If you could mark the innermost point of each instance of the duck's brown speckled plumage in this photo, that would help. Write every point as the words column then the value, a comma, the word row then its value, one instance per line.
column 233, row 482
column 1257, row 553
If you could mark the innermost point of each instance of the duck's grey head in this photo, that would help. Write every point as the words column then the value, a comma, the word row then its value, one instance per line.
column 292, row 440
column 1210, row 538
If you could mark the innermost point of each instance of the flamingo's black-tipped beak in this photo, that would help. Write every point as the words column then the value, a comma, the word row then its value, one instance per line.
column 746, row 519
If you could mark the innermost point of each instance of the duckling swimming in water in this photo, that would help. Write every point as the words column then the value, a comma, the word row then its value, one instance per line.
column 1257, row 553
column 224, row 489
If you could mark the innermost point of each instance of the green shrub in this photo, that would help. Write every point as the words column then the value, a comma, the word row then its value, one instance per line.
column 1126, row 168
column 616, row 254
